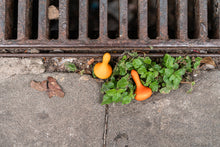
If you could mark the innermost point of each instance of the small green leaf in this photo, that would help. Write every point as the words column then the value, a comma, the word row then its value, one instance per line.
column 122, row 70
column 178, row 59
column 169, row 85
column 122, row 83
column 176, row 82
column 111, row 92
column 151, row 47
column 126, row 100
column 155, row 73
column 168, row 61
column 162, row 71
column 124, row 57
column 82, row 72
column 106, row 99
column 142, row 71
column 172, row 77
column 129, row 66
column 168, row 72
column 147, row 60
column 180, row 72
column 131, row 86
column 121, row 90
column 116, row 98
column 93, row 74
column 137, row 63
column 154, row 86
column 70, row 66
column 191, row 89
column 107, row 86
column 150, row 78
column 188, row 64
column 175, row 66
column 165, row 90
column 197, row 62
column 157, row 67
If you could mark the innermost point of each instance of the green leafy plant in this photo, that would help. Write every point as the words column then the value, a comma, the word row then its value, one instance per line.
column 70, row 67
column 163, row 76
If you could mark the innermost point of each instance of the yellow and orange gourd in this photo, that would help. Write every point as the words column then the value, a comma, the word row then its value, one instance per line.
column 102, row 69
column 142, row 92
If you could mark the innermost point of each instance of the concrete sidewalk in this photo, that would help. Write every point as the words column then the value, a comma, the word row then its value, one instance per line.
column 30, row 118
column 178, row 119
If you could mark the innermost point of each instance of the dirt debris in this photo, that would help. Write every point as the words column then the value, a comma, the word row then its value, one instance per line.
column 53, row 12
column 208, row 62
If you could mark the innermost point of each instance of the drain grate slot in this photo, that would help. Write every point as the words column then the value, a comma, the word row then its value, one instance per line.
column 113, row 19
column 193, row 19
column 54, row 23
column 93, row 24
column 213, row 19
column 132, row 19
column 73, row 19
column 153, row 18
column 32, row 19
column 11, row 19
column 110, row 24
column 172, row 17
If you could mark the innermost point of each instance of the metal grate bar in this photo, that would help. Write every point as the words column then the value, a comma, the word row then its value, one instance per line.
column 83, row 19
column 63, row 19
column 42, row 27
column 203, row 21
column 22, row 5
column 218, row 23
column 163, row 19
column 2, row 20
column 143, row 19
column 123, row 19
column 182, row 21
column 103, row 19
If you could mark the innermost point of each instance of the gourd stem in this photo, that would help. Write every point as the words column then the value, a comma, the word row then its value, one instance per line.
column 138, row 82
column 136, row 78
column 106, row 58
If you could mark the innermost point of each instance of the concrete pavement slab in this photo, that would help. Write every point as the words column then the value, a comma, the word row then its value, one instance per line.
column 29, row 118
column 13, row 66
column 178, row 119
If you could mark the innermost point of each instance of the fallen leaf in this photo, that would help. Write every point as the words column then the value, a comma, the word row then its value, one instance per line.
column 40, row 86
column 91, row 61
column 208, row 61
column 50, row 86
column 53, row 88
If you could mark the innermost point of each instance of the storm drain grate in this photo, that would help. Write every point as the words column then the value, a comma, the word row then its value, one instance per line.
column 110, row 24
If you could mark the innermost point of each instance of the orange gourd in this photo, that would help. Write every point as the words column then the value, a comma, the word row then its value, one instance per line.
column 102, row 69
column 142, row 92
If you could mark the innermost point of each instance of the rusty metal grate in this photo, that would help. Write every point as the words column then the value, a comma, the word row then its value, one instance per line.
column 24, row 24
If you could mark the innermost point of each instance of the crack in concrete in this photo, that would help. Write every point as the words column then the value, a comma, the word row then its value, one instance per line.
column 105, row 126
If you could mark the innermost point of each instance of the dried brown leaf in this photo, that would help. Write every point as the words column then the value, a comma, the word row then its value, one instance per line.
column 40, row 86
column 53, row 88
column 91, row 61
column 208, row 60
